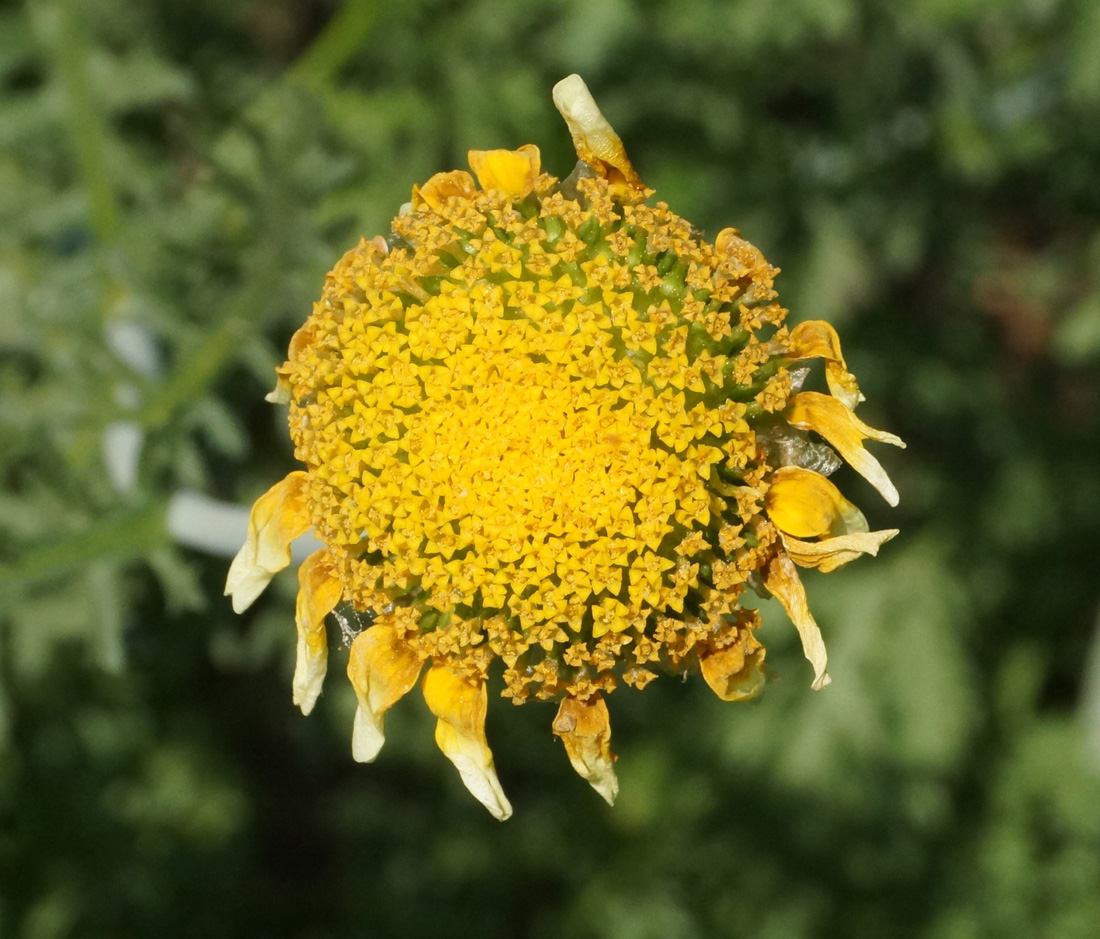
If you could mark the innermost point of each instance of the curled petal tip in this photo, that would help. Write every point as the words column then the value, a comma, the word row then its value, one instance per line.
column 817, row 339
column 245, row 581
column 830, row 553
column 306, row 695
column 367, row 735
column 280, row 394
column 478, row 774
column 309, row 677
column 833, row 420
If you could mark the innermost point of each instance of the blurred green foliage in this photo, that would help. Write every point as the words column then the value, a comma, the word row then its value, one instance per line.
column 186, row 170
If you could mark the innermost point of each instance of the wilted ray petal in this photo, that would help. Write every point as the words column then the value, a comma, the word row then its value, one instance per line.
column 460, row 703
column 735, row 673
column 319, row 590
column 594, row 139
column 382, row 668
column 280, row 394
column 781, row 578
column 829, row 417
column 817, row 339
column 585, row 729
column 443, row 186
column 829, row 554
column 278, row 517
column 510, row 171
column 806, row 504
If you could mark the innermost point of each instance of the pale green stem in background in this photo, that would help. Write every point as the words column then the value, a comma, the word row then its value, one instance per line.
column 337, row 43
column 65, row 39
column 119, row 536
column 1090, row 701
column 201, row 367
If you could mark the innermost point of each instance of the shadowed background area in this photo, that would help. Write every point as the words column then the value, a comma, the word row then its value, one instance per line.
column 175, row 179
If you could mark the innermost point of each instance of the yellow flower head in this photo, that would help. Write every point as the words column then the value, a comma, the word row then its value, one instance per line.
column 546, row 422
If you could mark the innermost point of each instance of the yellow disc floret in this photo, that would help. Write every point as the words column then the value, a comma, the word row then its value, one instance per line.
column 539, row 422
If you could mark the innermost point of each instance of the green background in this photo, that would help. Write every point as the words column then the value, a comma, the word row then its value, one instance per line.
column 926, row 174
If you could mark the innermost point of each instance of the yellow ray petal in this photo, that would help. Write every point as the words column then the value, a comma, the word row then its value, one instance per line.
column 807, row 505
column 319, row 590
column 443, row 186
column 382, row 668
column 831, row 553
column 781, row 578
column 278, row 517
column 585, row 729
column 735, row 673
column 824, row 414
column 817, row 339
column 459, row 703
column 594, row 139
column 511, row 171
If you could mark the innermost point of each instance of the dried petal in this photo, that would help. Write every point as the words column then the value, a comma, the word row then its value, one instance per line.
column 319, row 592
column 278, row 517
column 829, row 554
column 781, row 578
column 585, row 729
column 735, row 673
column 594, row 139
column 382, row 668
column 817, row 339
column 460, row 704
column 824, row 414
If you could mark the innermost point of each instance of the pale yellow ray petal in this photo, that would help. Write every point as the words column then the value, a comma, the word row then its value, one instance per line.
column 735, row 673
column 817, row 339
column 278, row 517
column 585, row 729
column 319, row 590
column 830, row 553
column 511, row 171
column 382, row 668
column 444, row 186
column 459, row 704
column 827, row 416
column 594, row 139
column 806, row 504
column 280, row 394
column 781, row 578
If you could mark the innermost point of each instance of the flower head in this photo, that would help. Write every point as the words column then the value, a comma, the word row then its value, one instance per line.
column 546, row 422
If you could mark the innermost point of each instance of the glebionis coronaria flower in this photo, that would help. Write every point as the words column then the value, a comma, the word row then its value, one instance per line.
column 547, row 422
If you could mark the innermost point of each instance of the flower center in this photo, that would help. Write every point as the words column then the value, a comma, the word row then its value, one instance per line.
column 520, row 415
